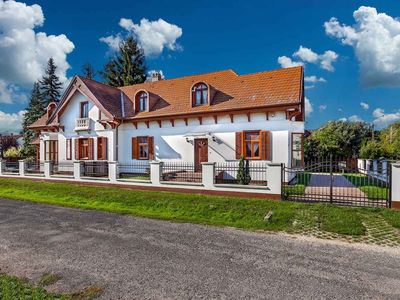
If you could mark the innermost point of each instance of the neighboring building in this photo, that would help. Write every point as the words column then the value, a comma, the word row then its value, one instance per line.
column 212, row 117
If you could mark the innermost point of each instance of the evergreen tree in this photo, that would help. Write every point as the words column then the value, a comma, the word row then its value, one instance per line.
column 88, row 71
column 127, row 67
column 50, row 85
column 34, row 111
column 243, row 173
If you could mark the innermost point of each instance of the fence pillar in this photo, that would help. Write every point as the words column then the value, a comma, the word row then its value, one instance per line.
column 48, row 168
column 77, row 169
column 274, row 178
column 156, row 172
column 21, row 167
column 208, row 174
column 112, row 171
column 375, row 167
column 395, row 187
column 2, row 166
column 367, row 166
column 384, row 168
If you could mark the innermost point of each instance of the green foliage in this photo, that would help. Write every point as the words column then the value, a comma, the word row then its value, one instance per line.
column 338, row 138
column 371, row 150
column 127, row 67
column 243, row 173
column 35, row 110
column 88, row 71
column 7, row 142
column 13, row 152
column 50, row 85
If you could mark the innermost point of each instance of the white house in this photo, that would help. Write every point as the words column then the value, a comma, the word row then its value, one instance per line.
column 213, row 117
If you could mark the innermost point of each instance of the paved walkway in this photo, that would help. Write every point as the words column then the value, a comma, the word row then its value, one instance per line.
column 135, row 258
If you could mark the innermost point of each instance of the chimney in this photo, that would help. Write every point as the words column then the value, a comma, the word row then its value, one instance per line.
column 155, row 76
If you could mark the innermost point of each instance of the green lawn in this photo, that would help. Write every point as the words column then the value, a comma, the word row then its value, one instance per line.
column 374, row 189
column 242, row 213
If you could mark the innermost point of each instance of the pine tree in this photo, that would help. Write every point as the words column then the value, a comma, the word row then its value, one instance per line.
column 50, row 85
column 243, row 173
column 88, row 71
column 35, row 110
column 127, row 67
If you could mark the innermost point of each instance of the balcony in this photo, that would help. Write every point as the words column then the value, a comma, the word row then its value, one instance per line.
column 82, row 124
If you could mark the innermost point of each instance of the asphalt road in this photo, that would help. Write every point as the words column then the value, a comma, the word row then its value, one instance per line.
column 136, row 258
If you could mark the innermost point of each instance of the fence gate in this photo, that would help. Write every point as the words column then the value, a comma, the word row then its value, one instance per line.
column 338, row 181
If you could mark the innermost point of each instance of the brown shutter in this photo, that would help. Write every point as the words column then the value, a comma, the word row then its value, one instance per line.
column 104, row 148
column 266, row 145
column 134, row 148
column 90, row 148
column 150, row 141
column 76, row 149
column 239, row 144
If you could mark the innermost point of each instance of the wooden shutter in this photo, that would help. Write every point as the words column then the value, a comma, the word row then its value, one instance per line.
column 266, row 145
column 90, row 148
column 135, row 148
column 101, row 148
column 239, row 144
column 104, row 146
column 150, row 142
column 76, row 149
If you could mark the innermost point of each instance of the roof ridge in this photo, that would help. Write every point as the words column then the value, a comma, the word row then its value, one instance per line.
column 95, row 81
column 274, row 70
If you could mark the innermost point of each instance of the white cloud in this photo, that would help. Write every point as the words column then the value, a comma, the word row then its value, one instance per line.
column 287, row 62
column 325, row 60
column 375, row 38
column 23, row 52
column 352, row 119
column 153, row 36
column 323, row 107
column 364, row 105
column 10, row 93
column 308, row 107
column 11, row 122
column 383, row 120
column 314, row 79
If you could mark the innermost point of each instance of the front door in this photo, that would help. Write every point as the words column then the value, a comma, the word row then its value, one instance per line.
column 200, row 153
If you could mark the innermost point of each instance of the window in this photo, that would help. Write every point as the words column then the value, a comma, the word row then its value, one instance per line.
column 142, row 99
column 200, row 94
column 252, row 143
column 83, row 149
column 68, row 149
column 143, row 147
column 51, row 151
column 297, row 150
column 84, row 109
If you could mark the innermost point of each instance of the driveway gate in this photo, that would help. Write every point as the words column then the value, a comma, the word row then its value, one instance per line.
column 337, row 181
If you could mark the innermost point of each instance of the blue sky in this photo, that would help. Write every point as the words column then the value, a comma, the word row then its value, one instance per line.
column 346, row 56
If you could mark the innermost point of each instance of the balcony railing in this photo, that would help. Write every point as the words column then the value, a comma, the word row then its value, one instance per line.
column 82, row 124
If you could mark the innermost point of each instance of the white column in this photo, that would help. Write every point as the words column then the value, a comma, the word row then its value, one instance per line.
column 48, row 168
column 208, row 174
column 112, row 171
column 156, row 172
column 21, row 167
column 77, row 169
column 274, row 178
column 395, row 186
column 2, row 166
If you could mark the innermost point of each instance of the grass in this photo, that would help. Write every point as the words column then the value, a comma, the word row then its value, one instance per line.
column 12, row 288
column 49, row 279
column 373, row 188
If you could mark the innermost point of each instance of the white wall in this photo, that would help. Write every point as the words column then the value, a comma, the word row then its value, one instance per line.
column 170, row 142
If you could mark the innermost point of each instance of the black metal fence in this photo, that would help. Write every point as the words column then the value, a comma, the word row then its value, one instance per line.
column 11, row 167
column 180, row 172
column 63, row 168
column 34, row 168
column 340, row 181
column 227, row 173
column 94, row 169
column 137, row 170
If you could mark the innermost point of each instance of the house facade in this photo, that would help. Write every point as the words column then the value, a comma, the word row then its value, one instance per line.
column 213, row 117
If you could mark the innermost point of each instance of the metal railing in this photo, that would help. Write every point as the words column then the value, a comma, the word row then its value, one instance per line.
column 227, row 173
column 94, row 169
column 11, row 167
column 180, row 172
column 34, row 168
column 137, row 170
column 63, row 168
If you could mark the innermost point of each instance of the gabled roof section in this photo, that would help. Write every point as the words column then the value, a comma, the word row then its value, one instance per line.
column 280, row 87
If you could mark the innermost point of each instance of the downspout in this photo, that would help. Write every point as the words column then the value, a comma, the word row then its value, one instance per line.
column 117, row 127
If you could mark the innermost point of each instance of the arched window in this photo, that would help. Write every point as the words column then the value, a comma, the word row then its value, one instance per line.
column 142, row 101
column 200, row 94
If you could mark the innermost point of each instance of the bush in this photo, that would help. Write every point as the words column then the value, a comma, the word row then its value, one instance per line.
column 13, row 152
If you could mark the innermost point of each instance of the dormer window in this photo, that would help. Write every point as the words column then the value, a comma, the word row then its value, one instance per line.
column 142, row 101
column 200, row 94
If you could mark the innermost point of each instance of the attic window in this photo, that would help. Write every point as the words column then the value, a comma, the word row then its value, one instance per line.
column 200, row 94
column 142, row 100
